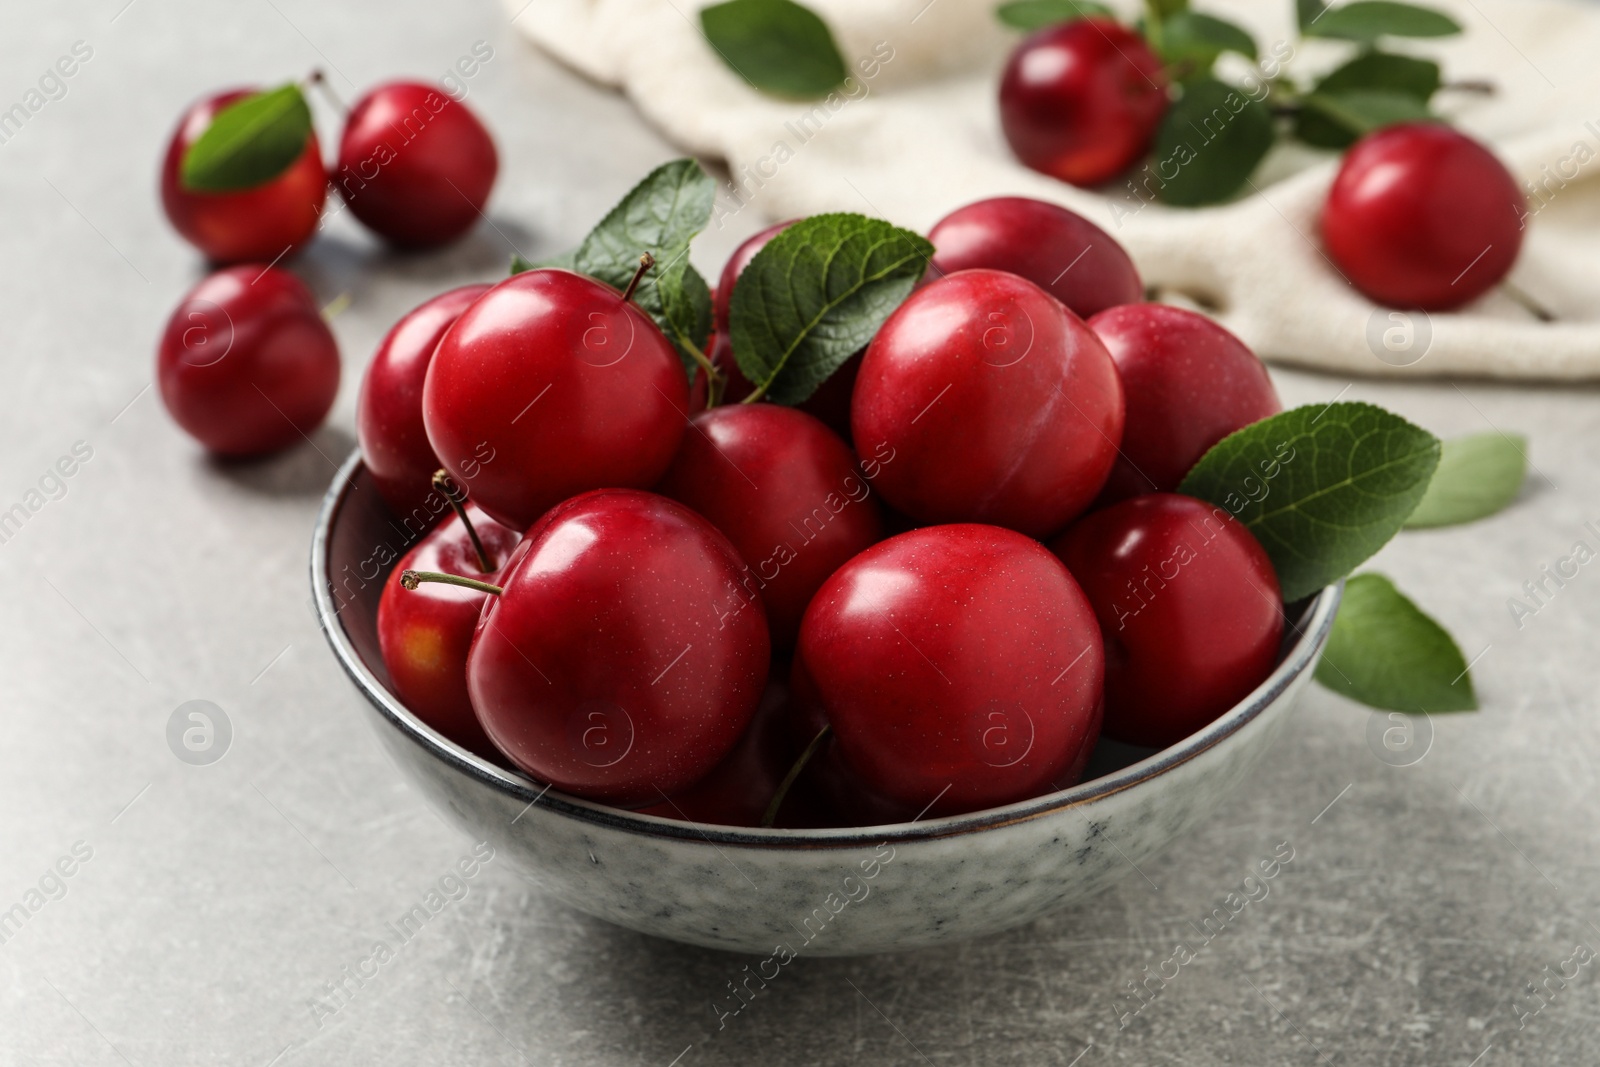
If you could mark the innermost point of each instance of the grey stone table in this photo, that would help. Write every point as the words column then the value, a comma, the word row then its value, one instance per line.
column 212, row 911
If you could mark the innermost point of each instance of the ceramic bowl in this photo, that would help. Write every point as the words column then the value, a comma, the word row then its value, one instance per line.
column 785, row 893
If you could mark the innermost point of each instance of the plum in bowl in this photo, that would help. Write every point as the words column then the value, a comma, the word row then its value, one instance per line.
column 785, row 892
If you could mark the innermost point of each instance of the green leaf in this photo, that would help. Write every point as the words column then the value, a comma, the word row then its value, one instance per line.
column 1321, row 487
column 1208, row 143
column 1308, row 11
column 686, row 305
column 815, row 295
column 1162, row 10
column 660, row 215
column 249, row 142
column 1352, row 115
column 1368, row 72
column 1477, row 476
column 1383, row 71
column 1386, row 653
column 1033, row 15
column 776, row 46
column 1196, row 39
column 1367, row 20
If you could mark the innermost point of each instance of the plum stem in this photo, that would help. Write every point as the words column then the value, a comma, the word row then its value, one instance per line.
column 757, row 393
column 412, row 579
column 317, row 78
column 457, row 498
column 646, row 261
column 714, row 378
column 771, row 814
column 716, row 386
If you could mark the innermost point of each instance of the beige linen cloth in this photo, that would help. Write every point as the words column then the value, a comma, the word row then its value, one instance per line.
column 916, row 134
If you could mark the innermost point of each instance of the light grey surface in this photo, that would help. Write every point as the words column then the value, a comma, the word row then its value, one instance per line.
column 221, row 899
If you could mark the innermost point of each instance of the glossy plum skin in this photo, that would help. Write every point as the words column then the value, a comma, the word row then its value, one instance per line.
column 739, row 789
column 830, row 403
column 722, row 300
column 1081, row 101
column 995, row 404
column 786, row 491
column 1058, row 250
column 737, row 386
column 251, row 224
column 425, row 633
column 829, row 793
column 394, row 442
column 1187, row 383
column 558, row 386
column 960, row 667
column 415, row 166
column 836, row 795
column 1422, row 216
column 624, row 658
column 1189, row 607
column 246, row 365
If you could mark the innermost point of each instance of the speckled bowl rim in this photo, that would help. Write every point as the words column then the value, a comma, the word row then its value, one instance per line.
column 1300, row 656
